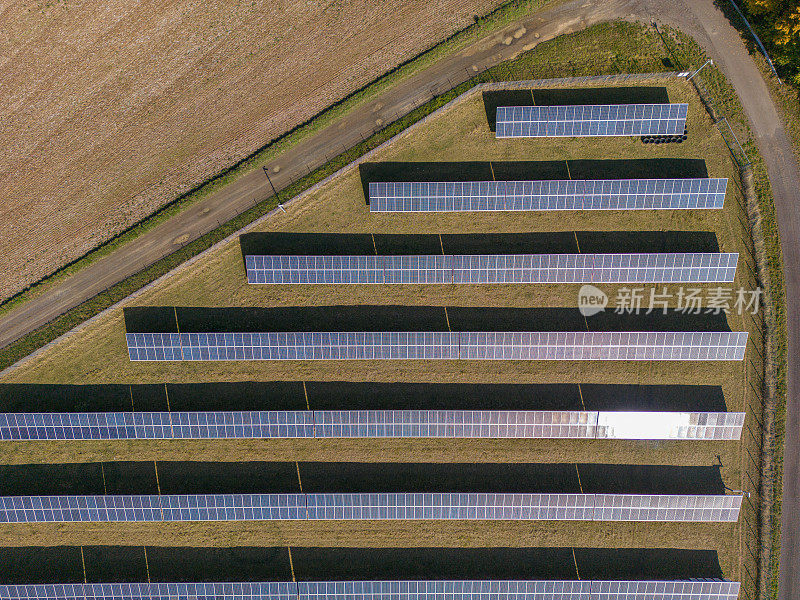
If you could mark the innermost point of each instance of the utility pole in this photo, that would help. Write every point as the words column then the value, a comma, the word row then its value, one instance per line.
column 709, row 61
column 274, row 191
column 266, row 172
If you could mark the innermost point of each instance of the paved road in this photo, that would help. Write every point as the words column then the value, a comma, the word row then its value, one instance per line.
column 699, row 18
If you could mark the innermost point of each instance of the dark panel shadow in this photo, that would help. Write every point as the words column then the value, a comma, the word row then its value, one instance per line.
column 343, row 395
column 387, row 564
column 613, row 242
column 647, row 564
column 38, row 565
column 673, row 320
column 639, row 168
column 439, row 477
column 123, row 564
column 432, row 318
column 278, row 242
column 650, row 479
column 493, row 99
column 131, row 477
column 228, row 477
column 557, row 242
column 34, row 397
column 570, row 319
column 153, row 319
column 51, row 480
column 282, row 477
column 679, row 398
column 219, row 564
column 313, row 318
column 41, row 565
column 568, row 96
column 601, row 95
column 243, row 395
column 459, row 171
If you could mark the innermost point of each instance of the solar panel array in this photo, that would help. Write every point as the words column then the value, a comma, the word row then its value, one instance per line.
column 437, row 345
column 382, row 590
column 371, row 424
column 561, row 194
column 591, row 120
column 366, row 506
column 492, row 268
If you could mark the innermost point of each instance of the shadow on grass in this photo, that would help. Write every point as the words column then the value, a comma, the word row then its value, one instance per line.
column 561, row 242
column 346, row 395
column 181, row 477
column 522, row 170
column 409, row 318
column 568, row 96
column 64, row 564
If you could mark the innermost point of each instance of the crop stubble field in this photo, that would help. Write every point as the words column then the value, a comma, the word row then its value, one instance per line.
column 112, row 109
column 98, row 354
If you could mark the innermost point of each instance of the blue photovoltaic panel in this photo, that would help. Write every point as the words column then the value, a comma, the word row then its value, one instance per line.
column 631, row 507
column 365, row 506
column 372, row 424
column 381, row 590
column 152, row 591
column 439, row 345
column 591, row 120
column 562, row 194
column 493, row 268
column 156, row 425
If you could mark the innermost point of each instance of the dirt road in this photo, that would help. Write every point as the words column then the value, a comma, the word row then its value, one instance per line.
column 699, row 18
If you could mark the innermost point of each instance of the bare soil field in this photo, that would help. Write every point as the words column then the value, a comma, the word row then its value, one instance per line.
column 110, row 110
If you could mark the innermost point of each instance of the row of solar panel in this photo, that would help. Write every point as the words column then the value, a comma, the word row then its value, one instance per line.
column 379, row 506
column 381, row 590
column 493, row 268
column 591, row 120
column 562, row 194
column 435, row 345
column 372, row 424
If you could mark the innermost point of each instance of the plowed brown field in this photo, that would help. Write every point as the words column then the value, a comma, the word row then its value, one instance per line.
column 108, row 110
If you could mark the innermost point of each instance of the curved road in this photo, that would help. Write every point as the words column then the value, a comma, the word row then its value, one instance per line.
column 699, row 18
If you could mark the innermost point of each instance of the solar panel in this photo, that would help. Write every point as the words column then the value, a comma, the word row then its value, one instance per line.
column 562, row 194
column 382, row 590
column 366, row 506
column 590, row 120
column 629, row 507
column 156, row 425
column 492, row 268
column 439, row 345
column 371, row 424
column 279, row 590
column 670, row 425
column 664, row 590
column 446, row 590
